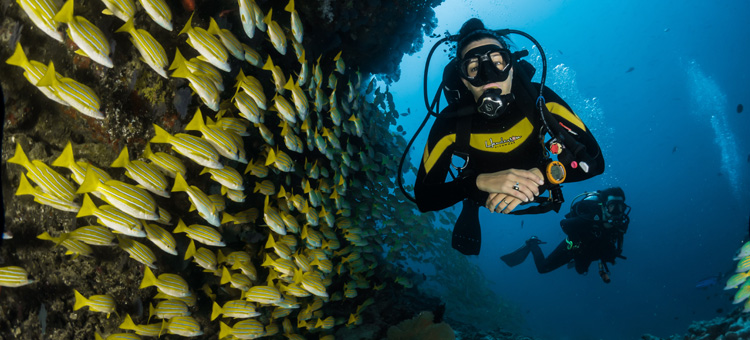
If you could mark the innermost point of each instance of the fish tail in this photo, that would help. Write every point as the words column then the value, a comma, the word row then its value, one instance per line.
column 190, row 250
column 181, row 71
column 20, row 158
column 161, row 135
column 148, row 279
column 122, row 160
column 188, row 26
column 128, row 323
column 81, row 301
column 196, row 123
column 180, row 228
column 97, row 336
column 24, row 187
column 289, row 84
column 268, row 261
column 290, row 6
column 178, row 59
column 147, row 153
column 151, row 311
column 225, row 330
column 49, row 78
column 217, row 310
column 127, row 27
column 269, row 63
column 338, row 56
column 90, row 182
column 226, row 218
column 18, row 58
column 220, row 258
column 267, row 19
column 240, row 77
column 66, row 12
column 65, row 159
column 271, row 157
column 213, row 28
column 87, row 208
column 225, row 277
column 45, row 236
column 179, row 183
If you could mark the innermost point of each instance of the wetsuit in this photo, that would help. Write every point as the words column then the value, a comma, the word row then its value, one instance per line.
column 588, row 240
column 511, row 141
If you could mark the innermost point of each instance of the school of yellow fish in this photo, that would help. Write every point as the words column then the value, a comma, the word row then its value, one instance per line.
column 739, row 279
column 320, row 171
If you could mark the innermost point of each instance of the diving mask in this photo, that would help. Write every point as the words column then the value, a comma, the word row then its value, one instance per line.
column 617, row 210
column 485, row 64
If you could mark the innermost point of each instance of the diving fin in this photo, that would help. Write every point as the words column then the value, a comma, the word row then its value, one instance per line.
column 517, row 257
column 467, row 234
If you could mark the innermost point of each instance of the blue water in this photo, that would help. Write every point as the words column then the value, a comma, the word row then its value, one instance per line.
column 671, row 137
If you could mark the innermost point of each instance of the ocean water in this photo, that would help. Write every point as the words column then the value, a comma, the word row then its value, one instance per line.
column 658, row 82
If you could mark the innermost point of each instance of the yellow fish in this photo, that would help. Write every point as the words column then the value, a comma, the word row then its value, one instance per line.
column 278, row 39
column 144, row 173
column 42, row 14
column 168, row 309
column 201, row 233
column 90, row 40
column 185, row 326
column 93, row 235
column 199, row 68
column 167, row 163
column 240, row 309
column 207, row 45
column 195, row 148
column 202, row 85
column 340, row 66
column 112, row 217
column 247, row 17
column 133, row 200
column 14, row 276
column 253, row 88
column 96, row 303
column 150, row 50
column 75, row 94
column 138, row 251
column 49, row 180
column 296, row 22
column 237, row 280
column 252, row 56
column 227, row 144
column 244, row 329
column 33, row 71
column 41, row 197
column 228, row 39
column 145, row 330
column 199, row 200
column 170, row 284
column 122, row 9
column 159, row 11
column 279, row 80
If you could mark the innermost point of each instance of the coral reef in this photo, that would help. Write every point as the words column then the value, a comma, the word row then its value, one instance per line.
column 421, row 327
column 734, row 326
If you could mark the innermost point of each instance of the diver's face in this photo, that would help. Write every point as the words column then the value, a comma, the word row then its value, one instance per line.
column 505, row 86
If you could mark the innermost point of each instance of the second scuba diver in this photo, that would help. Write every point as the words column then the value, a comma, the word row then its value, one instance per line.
column 595, row 228
column 494, row 125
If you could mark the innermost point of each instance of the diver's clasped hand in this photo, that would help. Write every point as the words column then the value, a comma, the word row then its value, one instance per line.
column 509, row 188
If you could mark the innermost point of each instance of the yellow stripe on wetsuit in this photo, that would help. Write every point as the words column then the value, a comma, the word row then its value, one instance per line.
column 503, row 142
column 560, row 110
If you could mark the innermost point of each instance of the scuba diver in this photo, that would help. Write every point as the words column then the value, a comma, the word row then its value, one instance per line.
column 496, row 124
column 595, row 227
